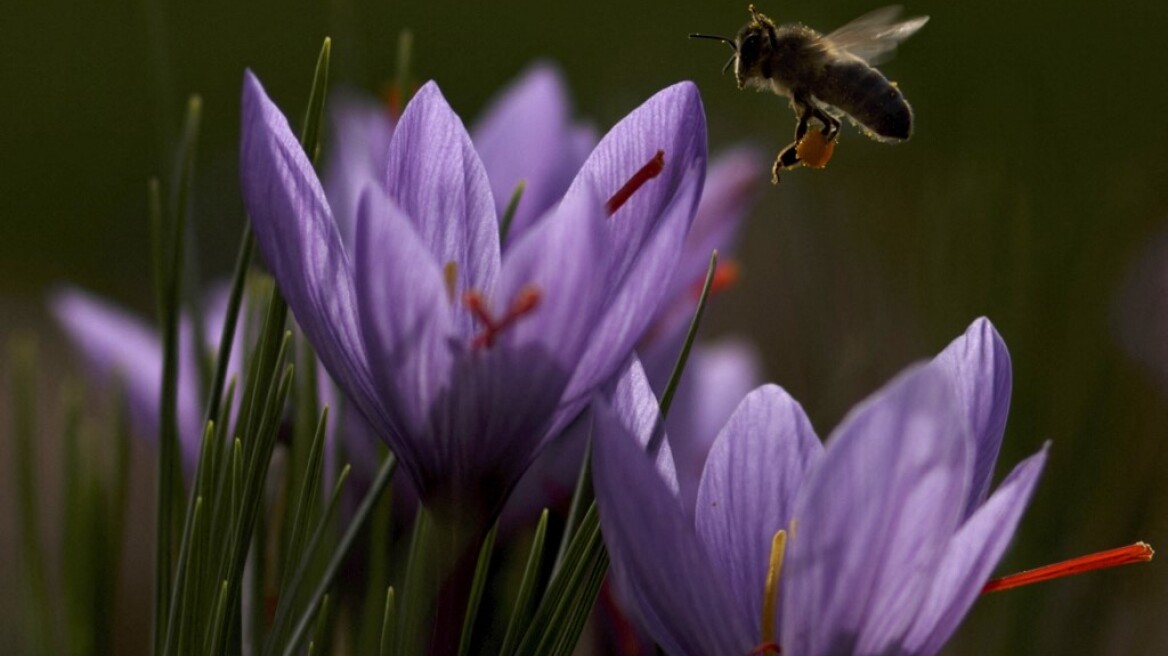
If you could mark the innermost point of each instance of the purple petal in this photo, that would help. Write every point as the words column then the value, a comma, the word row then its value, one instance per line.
column 359, row 154
column 525, row 135
column 557, row 258
column 716, row 378
column 874, row 517
column 438, row 181
column 118, row 348
column 646, row 233
column 405, row 315
column 748, row 490
column 978, row 365
column 732, row 187
column 655, row 553
column 971, row 557
column 296, row 234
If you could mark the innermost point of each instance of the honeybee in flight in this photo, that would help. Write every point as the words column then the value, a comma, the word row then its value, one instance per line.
column 827, row 77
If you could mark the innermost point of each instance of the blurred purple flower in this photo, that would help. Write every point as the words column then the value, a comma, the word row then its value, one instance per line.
column 464, row 358
column 118, row 346
column 891, row 536
column 524, row 135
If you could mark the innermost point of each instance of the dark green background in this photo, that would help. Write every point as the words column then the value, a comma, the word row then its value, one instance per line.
column 1035, row 177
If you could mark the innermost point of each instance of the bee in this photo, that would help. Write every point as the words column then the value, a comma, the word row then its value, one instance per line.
column 826, row 77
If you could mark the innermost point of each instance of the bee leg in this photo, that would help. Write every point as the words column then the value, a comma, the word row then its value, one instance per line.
column 806, row 111
column 787, row 159
column 831, row 124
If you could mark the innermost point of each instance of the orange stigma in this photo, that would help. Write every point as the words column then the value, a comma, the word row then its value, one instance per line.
column 525, row 302
column 650, row 170
column 1139, row 552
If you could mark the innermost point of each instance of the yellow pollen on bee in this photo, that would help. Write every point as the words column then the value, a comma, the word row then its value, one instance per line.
column 770, row 597
column 815, row 150
column 450, row 278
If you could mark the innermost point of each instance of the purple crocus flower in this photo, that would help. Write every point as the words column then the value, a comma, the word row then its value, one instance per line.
column 115, row 344
column 889, row 532
column 525, row 135
column 463, row 358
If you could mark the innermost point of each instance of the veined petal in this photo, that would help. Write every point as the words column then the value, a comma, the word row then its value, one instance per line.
column 874, row 518
column 655, row 553
column 360, row 131
column 716, row 378
column 557, row 257
column 299, row 241
column 672, row 121
column 971, row 557
column 438, row 181
column 748, row 490
column 978, row 365
column 405, row 315
column 525, row 135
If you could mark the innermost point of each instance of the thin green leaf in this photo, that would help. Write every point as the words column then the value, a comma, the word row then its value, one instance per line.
column 405, row 47
column 522, row 608
column 313, row 116
column 170, row 285
column 509, row 213
column 319, row 634
column 409, row 620
column 582, row 496
column 342, row 550
column 385, row 645
column 690, row 335
column 478, row 584
column 23, row 386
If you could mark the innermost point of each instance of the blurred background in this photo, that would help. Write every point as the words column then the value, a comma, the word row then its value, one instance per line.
column 1033, row 192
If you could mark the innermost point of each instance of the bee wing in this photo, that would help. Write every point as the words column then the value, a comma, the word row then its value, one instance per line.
column 873, row 36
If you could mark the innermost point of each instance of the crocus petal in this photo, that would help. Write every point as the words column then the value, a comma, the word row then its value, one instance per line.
column 646, row 233
column 716, row 378
column 299, row 241
column 557, row 258
column 655, row 553
column 971, row 557
column 522, row 137
column 406, row 322
column 438, row 181
column 360, row 131
column 748, row 490
column 874, row 517
column 978, row 365
column 117, row 346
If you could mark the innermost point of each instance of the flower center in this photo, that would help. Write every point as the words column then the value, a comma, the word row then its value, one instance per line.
column 770, row 596
column 650, row 170
column 524, row 303
column 1140, row 552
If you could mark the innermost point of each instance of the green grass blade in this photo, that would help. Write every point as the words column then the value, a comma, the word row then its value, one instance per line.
column 478, row 584
column 385, row 645
column 691, row 334
column 522, row 607
column 582, row 496
column 509, row 213
column 342, row 550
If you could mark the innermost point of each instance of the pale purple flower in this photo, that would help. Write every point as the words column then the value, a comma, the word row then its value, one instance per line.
column 117, row 346
column 890, row 532
column 525, row 134
column 463, row 358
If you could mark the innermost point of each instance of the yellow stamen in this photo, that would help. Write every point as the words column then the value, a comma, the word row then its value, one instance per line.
column 771, row 593
column 450, row 277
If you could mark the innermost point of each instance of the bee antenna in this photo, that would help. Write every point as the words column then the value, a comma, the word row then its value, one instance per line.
column 729, row 42
column 730, row 62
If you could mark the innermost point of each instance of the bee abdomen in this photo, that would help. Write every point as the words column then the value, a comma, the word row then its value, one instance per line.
column 869, row 98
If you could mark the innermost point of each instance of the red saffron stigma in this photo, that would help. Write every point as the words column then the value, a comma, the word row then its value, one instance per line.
column 1139, row 552
column 650, row 170
column 525, row 302
column 725, row 277
column 765, row 648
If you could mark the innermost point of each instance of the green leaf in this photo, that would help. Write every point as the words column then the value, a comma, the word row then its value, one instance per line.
column 384, row 475
column 509, row 213
column 385, row 645
column 690, row 335
column 522, row 607
column 478, row 584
